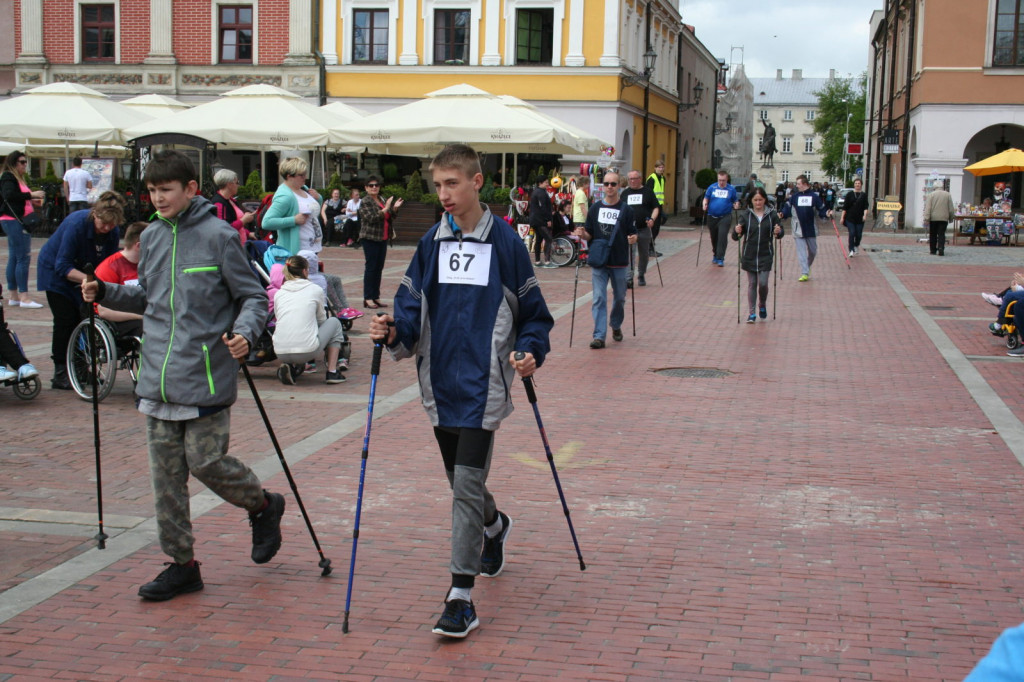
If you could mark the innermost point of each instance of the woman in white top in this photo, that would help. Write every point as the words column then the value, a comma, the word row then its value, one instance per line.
column 350, row 232
column 303, row 329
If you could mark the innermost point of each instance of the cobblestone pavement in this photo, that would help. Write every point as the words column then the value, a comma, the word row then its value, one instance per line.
column 843, row 503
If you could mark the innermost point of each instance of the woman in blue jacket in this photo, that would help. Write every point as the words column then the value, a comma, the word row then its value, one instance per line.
column 85, row 238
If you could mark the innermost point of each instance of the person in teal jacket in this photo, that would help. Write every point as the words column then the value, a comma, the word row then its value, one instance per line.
column 295, row 207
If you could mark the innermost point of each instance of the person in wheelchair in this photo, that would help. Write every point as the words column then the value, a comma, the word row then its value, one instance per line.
column 14, row 366
column 123, row 268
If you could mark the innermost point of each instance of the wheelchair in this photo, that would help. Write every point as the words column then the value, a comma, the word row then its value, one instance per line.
column 113, row 352
column 1005, row 327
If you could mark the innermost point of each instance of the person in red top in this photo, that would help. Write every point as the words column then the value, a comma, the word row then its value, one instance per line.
column 123, row 268
column 228, row 209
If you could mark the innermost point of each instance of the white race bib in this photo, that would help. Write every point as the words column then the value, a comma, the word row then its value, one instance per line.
column 635, row 199
column 132, row 282
column 607, row 216
column 470, row 264
column 721, row 193
column 805, row 201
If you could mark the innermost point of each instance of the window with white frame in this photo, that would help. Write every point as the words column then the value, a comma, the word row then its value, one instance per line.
column 451, row 36
column 785, row 176
column 1008, row 41
column 807, row 174
column 99, row 33
column 787, row 144
column 810, row 115
column 234, row 34
column 763, row 114
column 370, row 36
column 534, row 30
column 760, row 141
column 808, row 145
column 787, row 115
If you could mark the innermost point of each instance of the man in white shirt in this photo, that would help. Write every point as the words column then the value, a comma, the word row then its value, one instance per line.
column 77, row 184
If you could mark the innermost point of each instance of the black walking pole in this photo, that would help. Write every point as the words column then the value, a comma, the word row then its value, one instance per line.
column 656, row 262
column 632, row 289
column 775, row 287
column 531, row 395
column 575, row 286
column 325, row 563
column 100, row 537
column 378, row 349
column 739, row 259
column 700, row 238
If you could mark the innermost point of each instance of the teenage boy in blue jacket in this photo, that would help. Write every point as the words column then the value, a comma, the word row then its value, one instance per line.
column 805, row 203
column 194, row 286
column 468, row 302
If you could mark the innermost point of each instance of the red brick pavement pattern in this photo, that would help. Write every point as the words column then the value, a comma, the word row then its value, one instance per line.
column 838, row 508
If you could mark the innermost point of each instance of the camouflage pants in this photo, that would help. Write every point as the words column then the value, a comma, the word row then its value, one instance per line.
column 199, row 446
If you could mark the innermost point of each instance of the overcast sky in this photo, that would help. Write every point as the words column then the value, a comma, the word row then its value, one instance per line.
column 781, row 34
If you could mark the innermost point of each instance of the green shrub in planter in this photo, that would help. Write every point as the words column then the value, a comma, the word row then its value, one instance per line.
column 705, row 177
column 252, row 190
column 396, row 191
column 414, row 189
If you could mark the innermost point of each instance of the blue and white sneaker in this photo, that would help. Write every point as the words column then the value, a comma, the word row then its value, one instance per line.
column 492, row 559
column 458, row 620
column 27, row 371
column 7, row 374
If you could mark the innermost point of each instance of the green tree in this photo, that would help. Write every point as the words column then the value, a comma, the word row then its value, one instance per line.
column 252, row 190
column 705, row 177
column 839, row 100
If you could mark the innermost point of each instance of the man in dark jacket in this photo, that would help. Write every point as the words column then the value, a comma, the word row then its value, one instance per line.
column 805, row 203
column 611, row 220
column 646, row 211
column 541, row 213
column 855, row 205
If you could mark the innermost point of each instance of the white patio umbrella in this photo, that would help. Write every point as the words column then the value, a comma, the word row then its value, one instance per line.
column 65, row 114
column 157, row 106
column 251, row 117
column 458, row 114
column 344, row 111
column 585, row 142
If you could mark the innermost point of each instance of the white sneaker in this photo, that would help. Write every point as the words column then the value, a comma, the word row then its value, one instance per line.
column 27, row 372
column 852, row 254
column 7, row 374
column 30, row 304
column 992, row 299
column 13, row 303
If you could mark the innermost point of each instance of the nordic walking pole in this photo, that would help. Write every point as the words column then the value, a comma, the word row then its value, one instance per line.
column 531, row 395
column 575, row 286
column 841, row 249
column 378, row 349
column 325, row 563
column 775, row 286
column 700, row 239
column 101, row 537
column 632, row 290
column 656, row 261
column 739, row 259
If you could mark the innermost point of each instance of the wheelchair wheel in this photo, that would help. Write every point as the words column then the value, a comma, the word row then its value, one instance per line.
column 129, row 356
column 27, row 390
column 79, row 360
column 563, row 251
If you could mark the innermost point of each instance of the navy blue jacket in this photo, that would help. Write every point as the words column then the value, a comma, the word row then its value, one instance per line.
column 72, row 246
column 805, row 204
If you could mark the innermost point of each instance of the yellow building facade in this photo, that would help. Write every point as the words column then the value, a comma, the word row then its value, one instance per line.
column 570, row 58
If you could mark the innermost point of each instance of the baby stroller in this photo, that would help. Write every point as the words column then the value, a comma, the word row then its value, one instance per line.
column 1005, row 327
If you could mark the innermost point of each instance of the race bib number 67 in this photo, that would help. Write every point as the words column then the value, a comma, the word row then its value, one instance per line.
column 470, row 264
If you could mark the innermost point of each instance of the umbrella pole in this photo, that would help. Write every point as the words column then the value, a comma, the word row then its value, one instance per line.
column 263, row 170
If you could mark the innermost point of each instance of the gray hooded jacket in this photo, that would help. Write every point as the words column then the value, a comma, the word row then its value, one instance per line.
column 195, row 284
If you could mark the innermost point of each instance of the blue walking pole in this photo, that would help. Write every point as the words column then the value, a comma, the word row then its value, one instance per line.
column 378, row 349
column 531, row 395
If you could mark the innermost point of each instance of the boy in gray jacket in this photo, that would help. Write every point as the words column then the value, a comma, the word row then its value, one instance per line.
column 195, row 285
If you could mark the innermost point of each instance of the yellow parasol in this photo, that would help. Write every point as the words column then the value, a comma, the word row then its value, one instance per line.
column 1010, row 161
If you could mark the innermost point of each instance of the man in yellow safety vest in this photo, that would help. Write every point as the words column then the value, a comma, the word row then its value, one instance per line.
column 656, row 181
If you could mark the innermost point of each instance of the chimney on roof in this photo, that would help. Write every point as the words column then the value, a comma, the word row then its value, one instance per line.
column 798, row 74
column 831, row 74
column 778, row 74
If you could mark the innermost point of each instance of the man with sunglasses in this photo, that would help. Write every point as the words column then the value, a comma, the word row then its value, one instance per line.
column 610, row 220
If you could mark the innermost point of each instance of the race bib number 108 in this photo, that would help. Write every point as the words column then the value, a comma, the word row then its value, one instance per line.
column 470, row 264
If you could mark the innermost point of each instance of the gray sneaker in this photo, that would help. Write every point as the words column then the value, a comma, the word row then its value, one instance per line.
column 1017, row 352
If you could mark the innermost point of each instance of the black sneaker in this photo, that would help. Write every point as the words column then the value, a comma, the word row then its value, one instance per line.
column 492, row 559
column 174, row 580
column 642, row 281
column 617, row 334
column 458, row 620
column 629, row 283
column 335, row 377
column 1017, row 352
column 266, row 529
column 284, row 373
column 763, row 312
column 597, row 343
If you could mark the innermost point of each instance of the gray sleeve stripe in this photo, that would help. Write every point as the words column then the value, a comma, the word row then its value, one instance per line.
column 529, row 284
column 407, row 283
